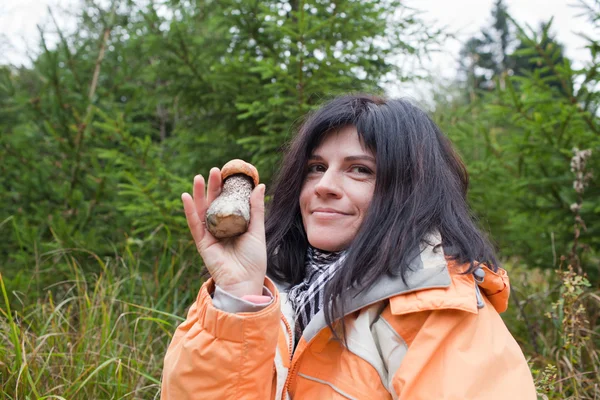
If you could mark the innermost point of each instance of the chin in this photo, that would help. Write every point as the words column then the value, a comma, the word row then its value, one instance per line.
column 326, row 244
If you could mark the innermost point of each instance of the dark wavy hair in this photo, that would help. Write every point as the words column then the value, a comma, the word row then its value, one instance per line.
column 421, row 186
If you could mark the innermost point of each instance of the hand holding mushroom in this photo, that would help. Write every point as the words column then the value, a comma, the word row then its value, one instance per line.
column 229, row 214
column 237, row 264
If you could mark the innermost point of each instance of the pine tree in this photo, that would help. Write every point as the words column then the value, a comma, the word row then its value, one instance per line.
column 103, row 132
column 487, row 55
column 488, row 58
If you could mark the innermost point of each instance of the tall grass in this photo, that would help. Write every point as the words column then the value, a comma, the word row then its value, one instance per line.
column 91, row 335
column 78, row 326
column 555, row 320
column 103, row 335
column 560, row 313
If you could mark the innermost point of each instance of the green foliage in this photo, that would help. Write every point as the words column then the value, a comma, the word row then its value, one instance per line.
column 103, row 133
column 555, row 321
column 518, row 141
column 531, row 142
column 94, row 335
column 502, row 50
column 487, row 55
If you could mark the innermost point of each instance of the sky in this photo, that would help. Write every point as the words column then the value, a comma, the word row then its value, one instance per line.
column 19, row 20
column 466, row 17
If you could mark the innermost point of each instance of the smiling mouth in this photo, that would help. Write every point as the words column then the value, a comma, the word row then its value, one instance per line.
column 326, row 213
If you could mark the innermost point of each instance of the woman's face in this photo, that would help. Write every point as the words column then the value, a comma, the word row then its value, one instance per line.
column 338, row 190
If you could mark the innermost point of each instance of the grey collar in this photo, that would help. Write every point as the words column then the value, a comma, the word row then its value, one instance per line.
column 427, row 270
column 387, row 286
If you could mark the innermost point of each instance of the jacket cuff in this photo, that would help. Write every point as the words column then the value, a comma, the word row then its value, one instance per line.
column 236, row 327
column 227, row 302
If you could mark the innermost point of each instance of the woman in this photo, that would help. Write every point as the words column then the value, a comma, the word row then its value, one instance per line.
column 364, row 282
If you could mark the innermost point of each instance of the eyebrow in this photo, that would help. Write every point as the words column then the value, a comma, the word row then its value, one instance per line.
column 349, row 158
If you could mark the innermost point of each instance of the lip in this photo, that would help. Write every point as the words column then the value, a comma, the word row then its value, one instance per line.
column 323, row 210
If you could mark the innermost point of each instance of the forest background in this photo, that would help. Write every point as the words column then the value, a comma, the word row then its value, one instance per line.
column 105, row 130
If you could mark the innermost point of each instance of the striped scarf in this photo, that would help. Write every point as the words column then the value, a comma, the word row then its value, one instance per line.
column 307, row 296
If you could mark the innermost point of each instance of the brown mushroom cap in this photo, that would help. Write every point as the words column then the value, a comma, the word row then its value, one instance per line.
column 237, row 166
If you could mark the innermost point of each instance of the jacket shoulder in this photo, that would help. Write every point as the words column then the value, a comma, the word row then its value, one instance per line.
column 463, row 292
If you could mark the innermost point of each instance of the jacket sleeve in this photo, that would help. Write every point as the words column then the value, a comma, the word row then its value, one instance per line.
column 455, row 354
column 227, row 302
column 219, row 355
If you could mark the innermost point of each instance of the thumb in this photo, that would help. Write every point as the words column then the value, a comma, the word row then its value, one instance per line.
column 257, row 211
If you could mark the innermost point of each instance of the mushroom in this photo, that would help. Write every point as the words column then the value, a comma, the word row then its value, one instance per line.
column 229, row 214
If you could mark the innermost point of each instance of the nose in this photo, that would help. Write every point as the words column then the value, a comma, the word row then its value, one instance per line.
column 329, row 185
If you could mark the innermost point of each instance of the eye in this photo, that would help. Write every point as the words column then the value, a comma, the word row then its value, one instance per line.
column 315, row 168
column 361, row 169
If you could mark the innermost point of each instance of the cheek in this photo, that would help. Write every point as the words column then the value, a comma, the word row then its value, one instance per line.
column 363, row 201
column 304, row 199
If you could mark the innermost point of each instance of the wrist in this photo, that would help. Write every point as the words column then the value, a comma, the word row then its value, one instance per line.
column 245, row 288
column 257, row 299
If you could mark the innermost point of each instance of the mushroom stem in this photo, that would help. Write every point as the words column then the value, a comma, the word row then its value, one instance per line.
column 229, row 214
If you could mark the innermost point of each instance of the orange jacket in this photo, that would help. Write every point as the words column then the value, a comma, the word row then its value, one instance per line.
column 437, row 336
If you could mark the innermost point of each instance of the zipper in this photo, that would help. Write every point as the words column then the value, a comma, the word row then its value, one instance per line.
column 291, row 354
column 288, row 381
column 291, row 338
column 295, row 362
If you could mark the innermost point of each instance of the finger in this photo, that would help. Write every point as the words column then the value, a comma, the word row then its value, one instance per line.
column 257, row 211
column 214, row 185
column 194, row 222
column 199, row 197
column 200, row 201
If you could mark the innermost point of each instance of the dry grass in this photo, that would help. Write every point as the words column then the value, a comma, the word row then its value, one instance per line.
column 93, row 336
